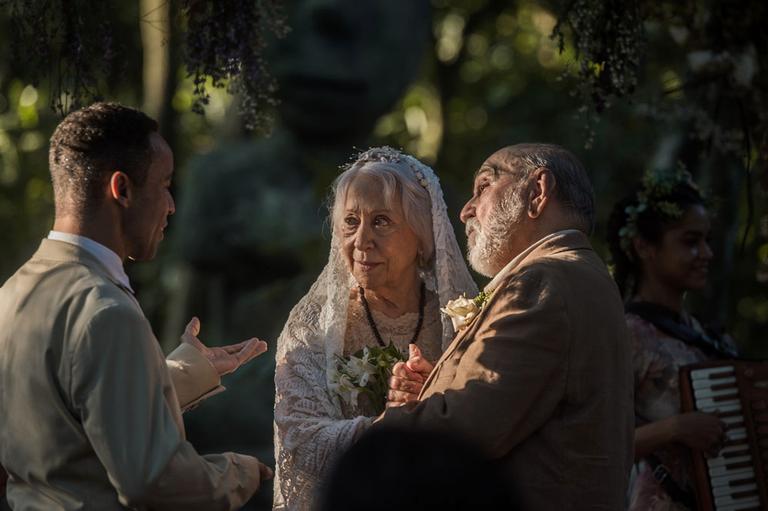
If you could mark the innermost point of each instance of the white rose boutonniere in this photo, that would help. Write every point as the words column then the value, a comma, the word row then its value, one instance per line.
column 463, row 310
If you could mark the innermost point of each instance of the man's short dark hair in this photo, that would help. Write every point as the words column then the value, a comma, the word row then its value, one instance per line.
column 91, row 143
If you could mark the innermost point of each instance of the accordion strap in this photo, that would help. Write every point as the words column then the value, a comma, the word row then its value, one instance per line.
column 664, row 478
column 669, row 321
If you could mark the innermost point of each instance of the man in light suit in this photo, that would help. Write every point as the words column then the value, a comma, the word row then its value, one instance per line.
column 540, row 378
column 90, row 416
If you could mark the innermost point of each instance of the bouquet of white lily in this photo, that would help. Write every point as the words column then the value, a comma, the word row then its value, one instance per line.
column 366, row 372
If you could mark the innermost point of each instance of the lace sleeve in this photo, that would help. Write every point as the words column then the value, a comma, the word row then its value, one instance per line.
column 310, row 428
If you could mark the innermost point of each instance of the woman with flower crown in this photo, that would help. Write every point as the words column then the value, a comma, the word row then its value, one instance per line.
column 394, row 262
column 659, row 242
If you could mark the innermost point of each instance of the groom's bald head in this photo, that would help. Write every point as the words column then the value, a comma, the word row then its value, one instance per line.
column 521, row 194
column 572, row 187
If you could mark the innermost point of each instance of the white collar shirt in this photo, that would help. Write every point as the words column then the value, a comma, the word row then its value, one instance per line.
column 107, row 257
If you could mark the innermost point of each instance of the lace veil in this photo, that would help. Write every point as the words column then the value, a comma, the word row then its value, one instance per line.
column 310, row 427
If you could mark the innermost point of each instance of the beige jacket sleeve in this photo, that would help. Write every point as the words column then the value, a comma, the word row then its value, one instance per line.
column 194, row 377
column 121, row 390
column 505, row 381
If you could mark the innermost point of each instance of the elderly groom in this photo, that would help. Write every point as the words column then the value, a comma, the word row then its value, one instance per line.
column 540, row 379
column 90, row 415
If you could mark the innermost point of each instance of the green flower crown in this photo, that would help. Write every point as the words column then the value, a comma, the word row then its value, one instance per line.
column 656, row 185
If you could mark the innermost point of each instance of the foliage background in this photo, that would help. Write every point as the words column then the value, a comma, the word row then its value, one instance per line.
column 494, row 76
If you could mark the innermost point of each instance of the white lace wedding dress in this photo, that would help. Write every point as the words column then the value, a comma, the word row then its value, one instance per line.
column 312, row 426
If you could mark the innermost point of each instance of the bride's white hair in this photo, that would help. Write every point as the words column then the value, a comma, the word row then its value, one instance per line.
column 399, row 182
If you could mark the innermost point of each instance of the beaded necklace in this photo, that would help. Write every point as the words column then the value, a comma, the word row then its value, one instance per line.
column 372, row 323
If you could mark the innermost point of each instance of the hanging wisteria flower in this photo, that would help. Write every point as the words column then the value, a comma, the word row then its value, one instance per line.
column 365, row 372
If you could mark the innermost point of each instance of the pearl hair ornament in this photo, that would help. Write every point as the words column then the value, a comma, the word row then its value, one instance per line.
column 386, row 154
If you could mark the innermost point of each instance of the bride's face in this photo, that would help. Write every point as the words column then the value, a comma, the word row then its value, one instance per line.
column 379, row 246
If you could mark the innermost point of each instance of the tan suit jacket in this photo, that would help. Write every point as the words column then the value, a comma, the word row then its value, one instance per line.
column 541, row 381
column 90, row 419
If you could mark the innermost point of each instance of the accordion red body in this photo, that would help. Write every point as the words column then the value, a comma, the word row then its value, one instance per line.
column 737, row 391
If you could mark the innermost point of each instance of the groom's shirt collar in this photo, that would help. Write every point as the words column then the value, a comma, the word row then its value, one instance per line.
column 494, row 283
column 106, row 256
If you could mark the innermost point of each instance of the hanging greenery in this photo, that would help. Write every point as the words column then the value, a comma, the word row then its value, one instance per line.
column 609, row 40
column 723, row 77
column 68, row 42
column 71, row 44
column 225, row 41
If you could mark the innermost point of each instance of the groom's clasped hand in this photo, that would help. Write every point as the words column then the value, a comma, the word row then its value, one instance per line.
column 408, row 378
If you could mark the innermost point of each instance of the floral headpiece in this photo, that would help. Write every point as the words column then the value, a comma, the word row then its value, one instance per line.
column 386, row 154
column 657, row 185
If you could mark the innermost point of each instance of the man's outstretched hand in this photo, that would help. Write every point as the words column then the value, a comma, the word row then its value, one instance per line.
column 225, row 359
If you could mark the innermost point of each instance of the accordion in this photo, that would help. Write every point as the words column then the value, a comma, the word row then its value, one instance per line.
column 737, row 392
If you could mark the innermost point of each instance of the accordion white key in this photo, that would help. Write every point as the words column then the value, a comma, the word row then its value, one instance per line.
column 737, row 392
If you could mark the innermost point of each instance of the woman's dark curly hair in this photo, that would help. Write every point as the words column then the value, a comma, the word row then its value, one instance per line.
column 650, row 223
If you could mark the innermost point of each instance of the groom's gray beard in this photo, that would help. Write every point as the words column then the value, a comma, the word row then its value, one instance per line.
column 485, row 253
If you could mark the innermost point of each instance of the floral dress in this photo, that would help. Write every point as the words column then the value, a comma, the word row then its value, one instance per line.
column 657, row 358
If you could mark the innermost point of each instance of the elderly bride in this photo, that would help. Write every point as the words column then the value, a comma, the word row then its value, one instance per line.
column 394, row 262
